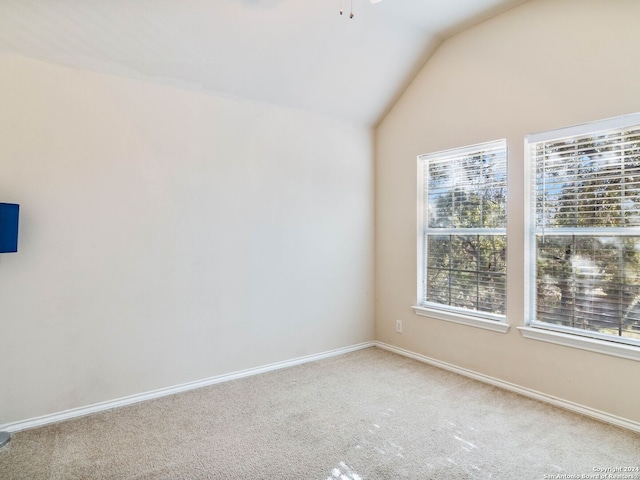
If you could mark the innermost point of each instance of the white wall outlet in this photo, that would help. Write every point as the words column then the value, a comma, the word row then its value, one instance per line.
column 398, row 326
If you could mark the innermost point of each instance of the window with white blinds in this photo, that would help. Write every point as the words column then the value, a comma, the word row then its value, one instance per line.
column 585, row 230
column 462, row 223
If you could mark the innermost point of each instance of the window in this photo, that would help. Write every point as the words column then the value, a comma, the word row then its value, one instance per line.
column 462, row 213
column 584, row 230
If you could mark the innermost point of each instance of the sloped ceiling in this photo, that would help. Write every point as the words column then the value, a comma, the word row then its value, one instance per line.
column 295, row 53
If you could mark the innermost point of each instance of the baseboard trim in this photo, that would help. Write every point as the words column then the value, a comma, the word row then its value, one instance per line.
column 161, row 392
column 543, row 397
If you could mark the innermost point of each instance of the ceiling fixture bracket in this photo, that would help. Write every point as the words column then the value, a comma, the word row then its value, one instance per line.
column 351, row 7
column 350, row 11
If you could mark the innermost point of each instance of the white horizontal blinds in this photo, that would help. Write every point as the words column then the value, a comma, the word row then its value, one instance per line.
column 466, row 188
column 464, row 222
column 467, row 271
column 587, row 220
column 590, row 283
column 589, row 181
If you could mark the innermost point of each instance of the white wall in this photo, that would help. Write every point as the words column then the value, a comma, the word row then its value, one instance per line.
column 543, row 65
column 168, row 236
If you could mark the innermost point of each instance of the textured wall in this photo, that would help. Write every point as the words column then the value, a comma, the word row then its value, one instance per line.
column 169, row 236
column 543, row 65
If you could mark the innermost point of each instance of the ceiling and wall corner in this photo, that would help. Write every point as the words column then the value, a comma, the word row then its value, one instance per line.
column 284, row 52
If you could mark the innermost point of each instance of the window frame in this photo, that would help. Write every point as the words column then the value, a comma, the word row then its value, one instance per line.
column 558, row 334
column 423, row 307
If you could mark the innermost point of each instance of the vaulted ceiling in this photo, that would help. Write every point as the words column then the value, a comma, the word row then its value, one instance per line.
column 295, row 53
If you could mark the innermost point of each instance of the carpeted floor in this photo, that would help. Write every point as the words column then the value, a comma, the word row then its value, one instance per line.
column 369, row 414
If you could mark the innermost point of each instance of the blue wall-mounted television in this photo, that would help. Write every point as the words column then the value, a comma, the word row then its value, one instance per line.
column 9, row 227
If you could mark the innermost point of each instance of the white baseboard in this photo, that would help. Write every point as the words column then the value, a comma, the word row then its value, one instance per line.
column 141, row 397
column 543, row 397
column 108, row 405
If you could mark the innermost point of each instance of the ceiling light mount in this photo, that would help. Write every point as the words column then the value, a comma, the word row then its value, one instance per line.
column 351, row 7
column 350, row 10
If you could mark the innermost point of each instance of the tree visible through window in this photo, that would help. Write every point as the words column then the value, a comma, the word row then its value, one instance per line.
column 586, row 231
column 463, row 224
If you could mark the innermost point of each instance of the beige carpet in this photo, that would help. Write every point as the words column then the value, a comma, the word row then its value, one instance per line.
column 370, row 414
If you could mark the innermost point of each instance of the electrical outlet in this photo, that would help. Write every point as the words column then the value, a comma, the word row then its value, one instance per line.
column 398, row 326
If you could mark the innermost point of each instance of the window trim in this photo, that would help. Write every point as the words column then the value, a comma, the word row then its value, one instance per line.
column 556, row 333
column 488, row 321
column 497, row 325
column 606, row 347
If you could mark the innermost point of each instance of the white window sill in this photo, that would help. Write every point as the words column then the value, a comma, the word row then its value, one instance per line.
column 585, row 343
column 495, row 326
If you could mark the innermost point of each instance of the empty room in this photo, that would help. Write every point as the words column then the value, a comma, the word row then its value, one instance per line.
column 319, row 239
